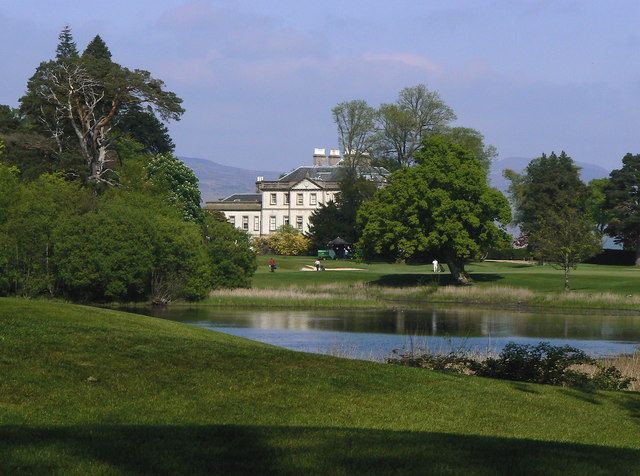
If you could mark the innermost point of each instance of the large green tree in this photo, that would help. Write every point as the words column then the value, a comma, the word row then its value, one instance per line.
column 623, row 204
column 548, row 184
column 441, row 208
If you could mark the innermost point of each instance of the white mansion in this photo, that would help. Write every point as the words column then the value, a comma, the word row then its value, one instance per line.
column 292, row 198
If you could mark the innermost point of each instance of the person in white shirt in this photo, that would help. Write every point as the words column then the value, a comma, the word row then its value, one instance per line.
column 435, row 266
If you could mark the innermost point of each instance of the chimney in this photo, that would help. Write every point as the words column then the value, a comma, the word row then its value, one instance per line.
column 319, row 157
column 334, row 156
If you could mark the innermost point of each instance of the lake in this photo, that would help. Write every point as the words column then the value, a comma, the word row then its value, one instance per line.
column 375, row 334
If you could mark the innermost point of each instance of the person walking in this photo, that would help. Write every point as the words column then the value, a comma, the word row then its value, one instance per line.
column 272, row 265
column 317, row 264
column 436, row 268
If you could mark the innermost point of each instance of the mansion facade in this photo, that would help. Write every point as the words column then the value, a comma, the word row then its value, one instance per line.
column 292, row 199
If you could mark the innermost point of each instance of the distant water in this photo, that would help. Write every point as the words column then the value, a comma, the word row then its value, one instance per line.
column 375, row 334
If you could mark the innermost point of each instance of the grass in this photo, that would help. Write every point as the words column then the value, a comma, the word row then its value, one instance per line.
column 94, row 391
column 383, row 285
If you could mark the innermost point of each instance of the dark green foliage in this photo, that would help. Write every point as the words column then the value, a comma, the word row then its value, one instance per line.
column 149, row 251
column 596, row 203
column 325, row 224
column 549, row 183
column 623, row 204
column 144, row 127
column 66, row 49
column 339, row 218
column 231, row 258
column 9, row 119
column 97, row 49
column 441, row 208
column 96, row 265
column 541, row 363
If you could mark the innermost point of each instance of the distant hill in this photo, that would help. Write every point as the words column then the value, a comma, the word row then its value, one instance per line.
column 518, row 164
column 219, row 181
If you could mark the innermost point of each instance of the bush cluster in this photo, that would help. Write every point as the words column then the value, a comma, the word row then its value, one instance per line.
column 286, row 241
column 542, row 363
column 58, row 238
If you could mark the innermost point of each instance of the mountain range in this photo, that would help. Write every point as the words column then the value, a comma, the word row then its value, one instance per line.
column 219, row 181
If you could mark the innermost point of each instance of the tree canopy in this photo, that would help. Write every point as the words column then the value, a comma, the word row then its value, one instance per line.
column 548, row 184
column 623, row 204
column 441, row 208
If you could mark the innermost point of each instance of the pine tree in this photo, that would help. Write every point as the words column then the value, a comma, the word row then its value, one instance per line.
column 66, row 49
column 97, row 49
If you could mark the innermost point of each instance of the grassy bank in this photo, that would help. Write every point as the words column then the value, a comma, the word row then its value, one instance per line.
column 90, row 391
column 382, row 285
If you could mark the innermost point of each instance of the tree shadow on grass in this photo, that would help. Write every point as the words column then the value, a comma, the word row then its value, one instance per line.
column 234, row 449
column 411, row 279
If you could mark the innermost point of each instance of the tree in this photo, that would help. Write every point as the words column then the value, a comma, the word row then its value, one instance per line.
column 173, row 177
column 441, row 208
column 623, row 204
column 78, row 100
column 97, row 49
column 549, row 184
column 473, row 140
column 231, row 257
column 355, row 121
column 339, row 218
column 145, row 128
column 403, row 125
column 565, row 238
column 596, row 203
column 66, row 49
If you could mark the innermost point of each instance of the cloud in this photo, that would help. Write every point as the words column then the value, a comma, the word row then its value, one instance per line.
column 410, row 60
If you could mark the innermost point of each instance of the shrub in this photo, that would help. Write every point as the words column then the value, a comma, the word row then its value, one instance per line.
column 231, row 257
column 288, row 241
column 542, row 363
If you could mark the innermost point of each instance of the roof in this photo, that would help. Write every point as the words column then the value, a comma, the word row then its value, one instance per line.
column 331, row 173
column 325, row 176
column 243, row 197
column 338, row 242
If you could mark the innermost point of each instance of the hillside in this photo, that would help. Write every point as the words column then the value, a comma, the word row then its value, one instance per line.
column 219, row 181
column 93, row 391
column 518, row 164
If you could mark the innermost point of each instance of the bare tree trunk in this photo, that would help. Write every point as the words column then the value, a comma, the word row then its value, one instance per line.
column 566, row 273
column 638, row 253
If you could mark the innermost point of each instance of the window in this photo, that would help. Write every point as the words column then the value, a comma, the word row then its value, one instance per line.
column 272, row 223
column 299, row 222
column 299, row 199
column 286, row 219
column 313, row 199
column 232, row 220
column 245, row 223
column 286, row 198
column 274, row 199
column 256, row 223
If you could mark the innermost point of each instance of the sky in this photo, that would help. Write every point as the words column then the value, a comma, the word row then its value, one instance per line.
column 259, row 78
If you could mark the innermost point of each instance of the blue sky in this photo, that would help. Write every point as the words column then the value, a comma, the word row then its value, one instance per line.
column 259, row 78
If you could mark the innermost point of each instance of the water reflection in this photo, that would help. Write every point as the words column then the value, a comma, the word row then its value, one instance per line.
column 373, row 334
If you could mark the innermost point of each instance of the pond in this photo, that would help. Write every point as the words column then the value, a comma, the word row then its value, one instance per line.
column 375, row 334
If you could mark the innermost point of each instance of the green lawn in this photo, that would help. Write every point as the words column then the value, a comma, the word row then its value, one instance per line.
column 590, row 278
column 91, row 391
